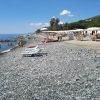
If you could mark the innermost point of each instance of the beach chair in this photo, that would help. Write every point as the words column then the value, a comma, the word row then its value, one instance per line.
column 32, row 50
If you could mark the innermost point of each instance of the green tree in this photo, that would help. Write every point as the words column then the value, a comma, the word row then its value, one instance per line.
column 54, row 24
column 38, row 31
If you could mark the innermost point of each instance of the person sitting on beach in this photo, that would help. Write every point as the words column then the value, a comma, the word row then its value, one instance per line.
column 59, row 38
column 20, row 43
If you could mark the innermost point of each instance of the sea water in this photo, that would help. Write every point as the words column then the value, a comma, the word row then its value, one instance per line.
column 4, row 46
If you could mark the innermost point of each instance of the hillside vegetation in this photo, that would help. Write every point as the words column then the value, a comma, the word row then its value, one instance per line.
column 90, row 22
column 81, row 24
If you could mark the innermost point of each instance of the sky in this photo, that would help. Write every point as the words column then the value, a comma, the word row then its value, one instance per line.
column 25, row 16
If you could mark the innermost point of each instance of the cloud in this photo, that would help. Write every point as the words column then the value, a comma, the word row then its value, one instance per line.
column 46, row 24
column 61, row 22
column 53, row 17
column 39, row 25
column 66, row 13
column 35, row 24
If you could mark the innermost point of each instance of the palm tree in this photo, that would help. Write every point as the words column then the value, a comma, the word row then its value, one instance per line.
column 54, row 24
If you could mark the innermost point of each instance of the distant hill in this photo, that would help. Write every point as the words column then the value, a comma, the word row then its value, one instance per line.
column 90, row 22
column 95, row 18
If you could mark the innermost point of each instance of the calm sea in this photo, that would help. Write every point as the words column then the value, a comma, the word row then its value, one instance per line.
column 7, row 45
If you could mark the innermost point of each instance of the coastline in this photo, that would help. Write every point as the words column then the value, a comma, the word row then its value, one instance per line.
column 8, row 50
column 7, row 42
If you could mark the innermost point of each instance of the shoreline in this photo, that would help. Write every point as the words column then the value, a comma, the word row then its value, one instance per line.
column 84, row 44
column 8, row 50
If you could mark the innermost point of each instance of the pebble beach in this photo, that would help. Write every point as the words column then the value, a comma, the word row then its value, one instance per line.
column 62, row 71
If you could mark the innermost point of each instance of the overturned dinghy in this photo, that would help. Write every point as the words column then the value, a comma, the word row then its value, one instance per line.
column 31, row 50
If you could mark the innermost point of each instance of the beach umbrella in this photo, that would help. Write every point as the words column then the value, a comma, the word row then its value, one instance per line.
column 43, row 29
column 77, row 30
column 98, row 32
column 93, row 28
